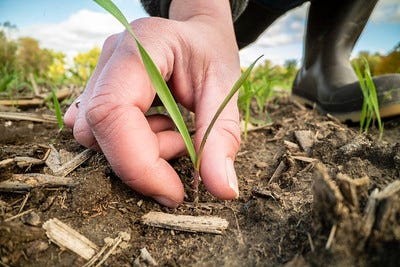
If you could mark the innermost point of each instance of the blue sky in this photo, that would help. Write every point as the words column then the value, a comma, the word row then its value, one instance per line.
column 76, row 26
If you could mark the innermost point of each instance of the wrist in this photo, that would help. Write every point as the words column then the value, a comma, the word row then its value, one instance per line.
column 183, row 10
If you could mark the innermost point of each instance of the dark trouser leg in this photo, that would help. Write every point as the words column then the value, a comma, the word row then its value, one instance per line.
column 258, row 16
column 253, row 22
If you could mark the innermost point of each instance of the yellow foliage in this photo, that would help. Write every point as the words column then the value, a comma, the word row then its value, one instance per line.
column 56, row 71
column 85, row 63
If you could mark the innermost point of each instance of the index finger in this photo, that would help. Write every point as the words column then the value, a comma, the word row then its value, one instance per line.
column 116, row 116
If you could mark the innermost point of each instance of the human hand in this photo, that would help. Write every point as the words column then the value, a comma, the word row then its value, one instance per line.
column 196, row 53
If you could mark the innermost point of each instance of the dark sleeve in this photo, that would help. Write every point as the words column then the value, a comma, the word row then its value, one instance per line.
column 160, row 8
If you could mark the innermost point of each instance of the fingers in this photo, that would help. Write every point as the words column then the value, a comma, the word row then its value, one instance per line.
column 217, row 163
column 106, row 52
column 115, row 115
column 75, row 117
column 170, row 141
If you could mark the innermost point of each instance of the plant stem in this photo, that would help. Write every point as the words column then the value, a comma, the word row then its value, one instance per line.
column 196, row 182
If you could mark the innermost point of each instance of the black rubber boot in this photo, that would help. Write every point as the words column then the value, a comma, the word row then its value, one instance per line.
column 327, row 78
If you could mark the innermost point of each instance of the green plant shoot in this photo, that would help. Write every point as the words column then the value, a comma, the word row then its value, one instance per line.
column 370, row 107
column 57, row 109
column 164, row 93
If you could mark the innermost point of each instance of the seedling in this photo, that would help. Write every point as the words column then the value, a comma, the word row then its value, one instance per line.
column 244, row 101
column 261, row 93
column 370, row 107
column 57, row 110
column 166, row 97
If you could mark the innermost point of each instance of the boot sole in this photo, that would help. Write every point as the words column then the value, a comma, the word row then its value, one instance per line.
column 354, row 116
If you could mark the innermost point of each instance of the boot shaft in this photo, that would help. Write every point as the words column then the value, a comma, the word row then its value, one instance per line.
column 333, row 28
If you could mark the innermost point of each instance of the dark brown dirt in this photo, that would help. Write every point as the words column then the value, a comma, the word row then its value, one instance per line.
column 298, row 206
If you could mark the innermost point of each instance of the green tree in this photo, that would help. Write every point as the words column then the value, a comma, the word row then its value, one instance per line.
column 31, row 58
column 8, row 50
column 390, row 63
column 373, row 61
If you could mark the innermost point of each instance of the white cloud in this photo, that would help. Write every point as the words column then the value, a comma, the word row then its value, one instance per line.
column 281, row 41
column 80, row 32
column 386, row 11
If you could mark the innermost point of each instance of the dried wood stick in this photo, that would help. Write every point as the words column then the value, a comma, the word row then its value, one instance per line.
column 21, row 116
column 389, row 190
column 27, row 181
column 66, row 237
column 17, row 216
column 277, row 172
column 111, row 243
column 6, row 162
column 27, row 161
column 305, row 159
column 60, row 94
column 204, row 224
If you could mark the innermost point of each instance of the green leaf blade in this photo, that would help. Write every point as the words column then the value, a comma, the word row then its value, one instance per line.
column 167, row 99
column 231, row 93
column 156, row 79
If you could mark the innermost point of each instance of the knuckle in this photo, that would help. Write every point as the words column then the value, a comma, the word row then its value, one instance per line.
column 231, row 130
column 110, row 43
column 100, row 108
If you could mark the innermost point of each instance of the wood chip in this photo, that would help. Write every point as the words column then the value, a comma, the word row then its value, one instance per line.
column 27, row 181
column 187, row 223
column 265, row 193
column 74, row 163
column 6, row 162
column 146, row 257
column 357, row 144
column 289, row 144
column 305, row 139
column 305, row 159
column 66, row 237
column 277, row 172
column 53, row 159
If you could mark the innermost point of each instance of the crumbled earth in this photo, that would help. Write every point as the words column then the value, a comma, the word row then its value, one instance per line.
column 313, row 192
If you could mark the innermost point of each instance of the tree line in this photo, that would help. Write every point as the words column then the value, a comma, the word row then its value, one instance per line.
column 23, row 62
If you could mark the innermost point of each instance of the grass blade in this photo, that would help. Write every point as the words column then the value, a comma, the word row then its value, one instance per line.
column 157, row 80
column 373, row 96
column 57, row 109
column 168, row 100
column 370, row 107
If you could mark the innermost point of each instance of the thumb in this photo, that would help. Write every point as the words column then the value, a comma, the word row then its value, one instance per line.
column 217, row 163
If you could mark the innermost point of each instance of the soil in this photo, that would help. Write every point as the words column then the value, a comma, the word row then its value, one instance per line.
column 313, row 192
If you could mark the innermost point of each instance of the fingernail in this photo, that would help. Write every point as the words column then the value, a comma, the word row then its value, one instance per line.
column 166, row 201
column 231, row 176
